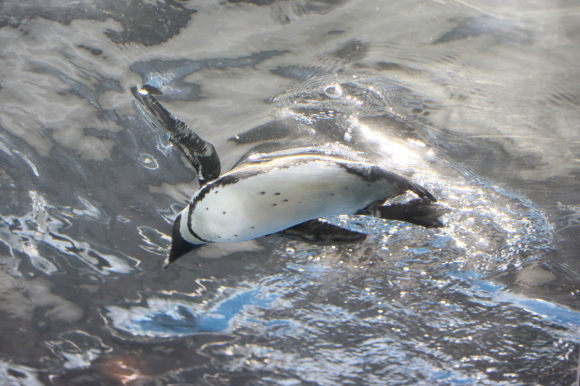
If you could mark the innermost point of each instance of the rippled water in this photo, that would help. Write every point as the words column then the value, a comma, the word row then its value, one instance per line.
column 89, row 189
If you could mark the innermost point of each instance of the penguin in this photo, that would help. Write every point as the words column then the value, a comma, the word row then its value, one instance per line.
column 289, row 191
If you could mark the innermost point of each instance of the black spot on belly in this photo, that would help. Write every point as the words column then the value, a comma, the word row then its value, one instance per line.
column 223, row 212
column 216, row 192
column 253, row 227
column 331, row 194
column 276, row 194
column 274, row 204
column 262, row 193
column 235, row 235
column 285, row 200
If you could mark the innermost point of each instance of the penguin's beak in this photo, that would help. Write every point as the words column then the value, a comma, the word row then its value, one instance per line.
column 179, row 246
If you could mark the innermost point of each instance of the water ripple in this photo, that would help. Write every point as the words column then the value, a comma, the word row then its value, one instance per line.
column 158, row 316
column 47, row 226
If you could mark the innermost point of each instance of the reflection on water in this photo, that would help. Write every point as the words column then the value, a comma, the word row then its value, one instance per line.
column 77, row 349
column 478, row 106
column 159, row 317
column 44, row 228
column 167, row 75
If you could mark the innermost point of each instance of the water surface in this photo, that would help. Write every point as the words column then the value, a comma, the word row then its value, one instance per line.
column 90, row 189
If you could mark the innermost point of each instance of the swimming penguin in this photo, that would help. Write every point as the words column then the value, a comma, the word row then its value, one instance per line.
column 289, row 191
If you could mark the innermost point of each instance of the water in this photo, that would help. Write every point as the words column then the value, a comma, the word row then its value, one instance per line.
column 89, row 191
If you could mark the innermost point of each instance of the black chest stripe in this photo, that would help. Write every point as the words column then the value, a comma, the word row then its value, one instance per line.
column 189, row 214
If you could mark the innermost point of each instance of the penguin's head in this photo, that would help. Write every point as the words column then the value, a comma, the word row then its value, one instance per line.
column 179, row 245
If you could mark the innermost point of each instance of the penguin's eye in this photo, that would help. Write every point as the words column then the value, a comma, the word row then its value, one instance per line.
column 334, row 91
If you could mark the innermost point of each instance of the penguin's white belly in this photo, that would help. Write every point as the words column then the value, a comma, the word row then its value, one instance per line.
column 271, row 196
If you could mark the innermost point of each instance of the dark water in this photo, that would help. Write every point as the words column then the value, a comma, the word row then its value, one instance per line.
column 489, row 122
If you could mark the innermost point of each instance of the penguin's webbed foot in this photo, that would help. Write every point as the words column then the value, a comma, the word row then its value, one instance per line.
column 418, row 211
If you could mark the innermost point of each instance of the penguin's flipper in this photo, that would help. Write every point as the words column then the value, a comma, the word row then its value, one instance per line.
column 318, row 231
column 418, row 211
column 200, row 153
